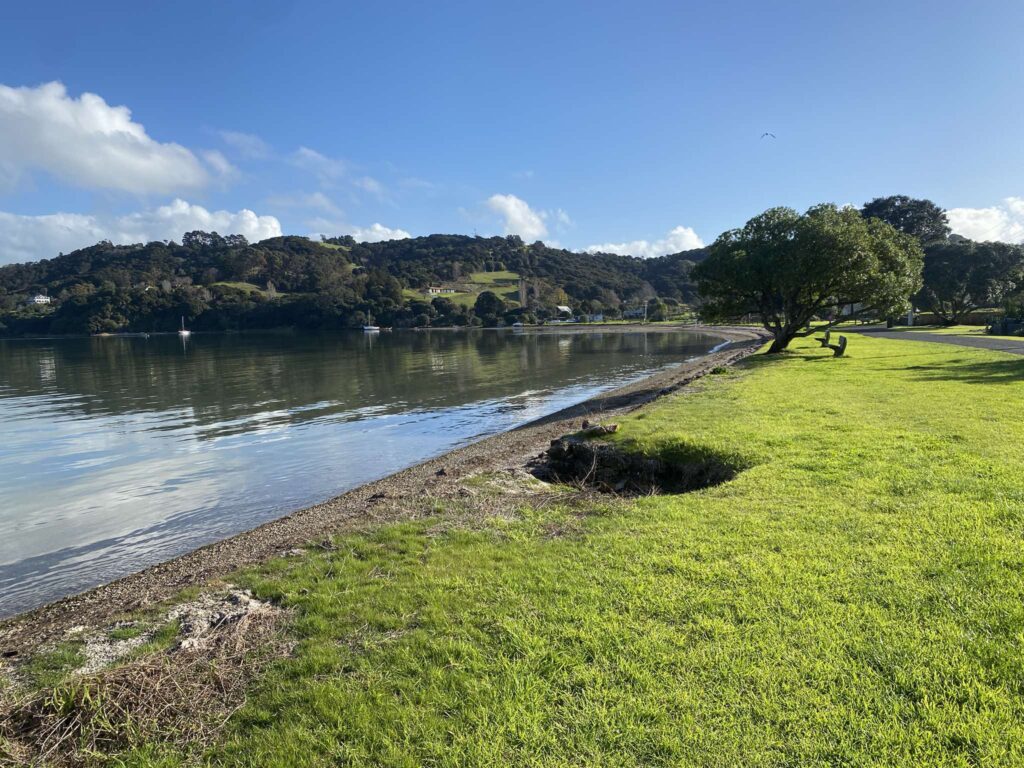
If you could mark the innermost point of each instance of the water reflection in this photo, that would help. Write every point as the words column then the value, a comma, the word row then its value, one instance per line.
column 121, row 452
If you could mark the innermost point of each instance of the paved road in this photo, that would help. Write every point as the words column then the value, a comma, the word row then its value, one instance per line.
column 982, row 342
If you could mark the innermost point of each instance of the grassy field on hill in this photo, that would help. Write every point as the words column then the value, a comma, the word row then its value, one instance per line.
column 854, row 597
column 504, row 284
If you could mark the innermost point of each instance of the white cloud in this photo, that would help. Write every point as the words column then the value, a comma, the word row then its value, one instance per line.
column 412, row 182
column 371, row 234
column 220, row 164
column 28, row 238
column 371, row 185
column 315, row 201
column 377, row 232
column 325, row 168
column 87, row 142
column 247, row 144
column 1000, row 222
column 520, row 218
column 678, row 239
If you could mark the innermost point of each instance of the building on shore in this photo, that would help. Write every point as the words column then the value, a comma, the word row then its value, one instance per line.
column 40, row 298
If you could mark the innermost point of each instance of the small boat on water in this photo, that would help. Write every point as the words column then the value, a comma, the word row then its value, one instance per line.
column 371, row 328
column 184, row 332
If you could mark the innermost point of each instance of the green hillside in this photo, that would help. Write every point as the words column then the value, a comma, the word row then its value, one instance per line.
column 226, row 283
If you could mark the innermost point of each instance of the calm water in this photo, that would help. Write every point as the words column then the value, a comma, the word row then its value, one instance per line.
column 117, row 453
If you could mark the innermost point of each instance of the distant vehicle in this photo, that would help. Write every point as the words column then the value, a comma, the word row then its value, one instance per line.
column 183, row 331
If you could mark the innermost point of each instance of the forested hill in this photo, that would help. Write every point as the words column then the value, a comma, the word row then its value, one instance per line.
column 221, row 283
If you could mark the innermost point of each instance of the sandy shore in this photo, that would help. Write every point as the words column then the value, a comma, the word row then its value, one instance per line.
column 398, row 496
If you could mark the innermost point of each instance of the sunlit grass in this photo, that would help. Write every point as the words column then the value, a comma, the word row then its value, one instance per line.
column 854, row 597
column 955, row 330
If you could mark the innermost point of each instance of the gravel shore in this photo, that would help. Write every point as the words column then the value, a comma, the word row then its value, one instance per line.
column 394, row 497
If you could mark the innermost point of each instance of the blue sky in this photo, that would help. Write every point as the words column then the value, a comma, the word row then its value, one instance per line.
column 636, row 127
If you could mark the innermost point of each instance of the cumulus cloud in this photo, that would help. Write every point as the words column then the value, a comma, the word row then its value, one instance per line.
column 371, row 234
column 377, row 232
column 27, row 238
column 247, row 144
column 1000, row 222
column 519, row 218
column 89, row 143
column 679, row 239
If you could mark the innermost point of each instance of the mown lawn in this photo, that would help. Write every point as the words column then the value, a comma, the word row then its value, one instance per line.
column 954, row 330
column 855, row 597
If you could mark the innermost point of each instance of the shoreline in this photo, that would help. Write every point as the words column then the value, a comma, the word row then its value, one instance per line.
column 378, row 502
column 622, row 327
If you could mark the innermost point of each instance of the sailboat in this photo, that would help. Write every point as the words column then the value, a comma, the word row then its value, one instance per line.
column 370, row 327
column 184, row 332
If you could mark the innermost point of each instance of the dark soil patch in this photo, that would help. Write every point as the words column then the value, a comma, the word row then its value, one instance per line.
column 605, row 467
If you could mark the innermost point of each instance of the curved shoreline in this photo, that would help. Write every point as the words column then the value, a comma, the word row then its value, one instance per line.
column 372, row 503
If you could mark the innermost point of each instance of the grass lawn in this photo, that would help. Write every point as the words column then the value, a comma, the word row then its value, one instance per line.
column 490, row 278
column 498, row 282
column 855, row 597
column 954, row 330
column 249, row 287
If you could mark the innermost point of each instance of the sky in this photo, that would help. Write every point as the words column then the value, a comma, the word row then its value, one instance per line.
column 626, row 127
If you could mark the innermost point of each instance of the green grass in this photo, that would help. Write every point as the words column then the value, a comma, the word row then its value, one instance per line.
column 954, row 330
column 49, row 668
column 945, row 330
column 490, row 278
column 248, row 287
column 855, row 597
column 481, row 281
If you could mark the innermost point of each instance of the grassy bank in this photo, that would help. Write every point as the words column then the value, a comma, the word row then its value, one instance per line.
column 854, row 597
column 953, row 330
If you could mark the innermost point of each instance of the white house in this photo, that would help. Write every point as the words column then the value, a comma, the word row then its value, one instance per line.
column 564, row 310
column 40, row 299
column 434, row 290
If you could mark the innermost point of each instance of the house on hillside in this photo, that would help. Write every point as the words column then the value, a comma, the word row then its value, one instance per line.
column 564, row 310
column 40, row 298
column 435, row 290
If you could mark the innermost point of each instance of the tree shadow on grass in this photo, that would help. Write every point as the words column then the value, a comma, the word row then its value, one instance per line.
column 983, row 372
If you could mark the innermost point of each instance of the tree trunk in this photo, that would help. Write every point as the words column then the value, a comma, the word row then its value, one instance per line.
column 781, row 341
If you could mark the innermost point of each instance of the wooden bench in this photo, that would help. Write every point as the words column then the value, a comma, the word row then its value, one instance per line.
column 838, row 350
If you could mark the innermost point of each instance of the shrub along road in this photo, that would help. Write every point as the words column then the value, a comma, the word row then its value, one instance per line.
column 854, row 596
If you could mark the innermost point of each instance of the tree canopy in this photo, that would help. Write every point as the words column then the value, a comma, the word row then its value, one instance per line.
column 921, row 218
column 221, row 282
column 961, row 276
column 789, row 268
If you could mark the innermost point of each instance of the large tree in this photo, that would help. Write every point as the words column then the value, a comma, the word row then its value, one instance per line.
column 961, row 276
column 921, row 218
column 789, row 269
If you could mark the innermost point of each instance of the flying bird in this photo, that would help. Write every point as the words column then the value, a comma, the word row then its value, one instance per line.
column 767, row 133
